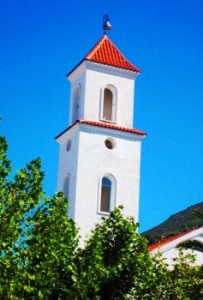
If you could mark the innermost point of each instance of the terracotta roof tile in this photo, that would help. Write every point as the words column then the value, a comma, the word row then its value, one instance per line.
column 170, row 239
column 112, row 126
column 106, row 125
column 105, row 52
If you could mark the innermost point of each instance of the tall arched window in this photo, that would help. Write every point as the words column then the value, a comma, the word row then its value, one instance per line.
column 66, row 186
column 109, row 104
column 107, row 195
column 76, row 104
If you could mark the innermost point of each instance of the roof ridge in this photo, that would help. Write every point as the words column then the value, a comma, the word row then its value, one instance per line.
column 95, row 48
column 107, row 53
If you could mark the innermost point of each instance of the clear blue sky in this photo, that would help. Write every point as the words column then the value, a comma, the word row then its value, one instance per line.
column 40, row 41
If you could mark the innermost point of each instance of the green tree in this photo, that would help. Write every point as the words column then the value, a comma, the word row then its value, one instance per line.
column 113, row 256
column 37, row 239
column 185, row 280
column 40, row 257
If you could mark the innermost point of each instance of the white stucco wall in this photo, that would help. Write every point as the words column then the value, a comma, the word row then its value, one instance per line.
column 88, row 161
column 77, row 78
column 93, row 78
column 170, row 255
column 68, row 164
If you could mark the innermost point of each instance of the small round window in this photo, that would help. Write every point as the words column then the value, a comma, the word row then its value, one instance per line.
column 110, row 143
column 68, row 146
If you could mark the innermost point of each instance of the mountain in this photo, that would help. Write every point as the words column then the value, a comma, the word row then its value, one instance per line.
column 179, row 222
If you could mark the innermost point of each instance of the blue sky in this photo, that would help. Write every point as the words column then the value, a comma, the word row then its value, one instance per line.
column 41, row 41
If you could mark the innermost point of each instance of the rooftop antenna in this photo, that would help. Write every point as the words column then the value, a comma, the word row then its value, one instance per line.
column 106, row 23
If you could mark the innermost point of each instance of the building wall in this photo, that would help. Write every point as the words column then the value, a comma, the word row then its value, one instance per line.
column 85, row 159
column 169, row 250
column 88, row 161
column 93, row 79
column 68, row 164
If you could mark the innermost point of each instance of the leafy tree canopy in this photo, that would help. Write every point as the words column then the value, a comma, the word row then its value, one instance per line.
column 41, row 258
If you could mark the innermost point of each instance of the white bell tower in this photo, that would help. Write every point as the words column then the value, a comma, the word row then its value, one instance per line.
column 99, row 160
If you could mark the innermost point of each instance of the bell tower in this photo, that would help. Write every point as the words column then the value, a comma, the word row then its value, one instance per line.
column 99, row 159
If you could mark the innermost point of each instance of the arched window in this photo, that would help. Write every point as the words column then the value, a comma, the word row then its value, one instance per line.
column 109, row 104
column 107, row 195
column 66, row 186
column 76, row 104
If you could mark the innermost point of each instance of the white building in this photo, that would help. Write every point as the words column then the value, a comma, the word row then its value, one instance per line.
column 99, row 160
column 169, row 247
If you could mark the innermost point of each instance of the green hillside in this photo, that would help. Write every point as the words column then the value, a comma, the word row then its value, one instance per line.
column 179, row 222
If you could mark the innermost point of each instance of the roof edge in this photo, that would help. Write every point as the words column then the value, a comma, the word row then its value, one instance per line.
column 104, row 125
column 168, row 240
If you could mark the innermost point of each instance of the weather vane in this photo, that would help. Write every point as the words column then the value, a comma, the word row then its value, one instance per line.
column 106, row 23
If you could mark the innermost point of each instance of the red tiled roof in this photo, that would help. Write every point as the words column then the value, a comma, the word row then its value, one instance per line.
column 106, row 125
column 112, row 126
column 105, row 52
column 170, row 239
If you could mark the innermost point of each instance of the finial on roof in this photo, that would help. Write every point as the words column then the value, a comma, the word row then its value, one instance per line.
column 106, row 23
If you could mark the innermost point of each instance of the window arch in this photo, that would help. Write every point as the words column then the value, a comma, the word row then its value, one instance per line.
column 76, row 104
column 109, row 104
column 107, row 194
